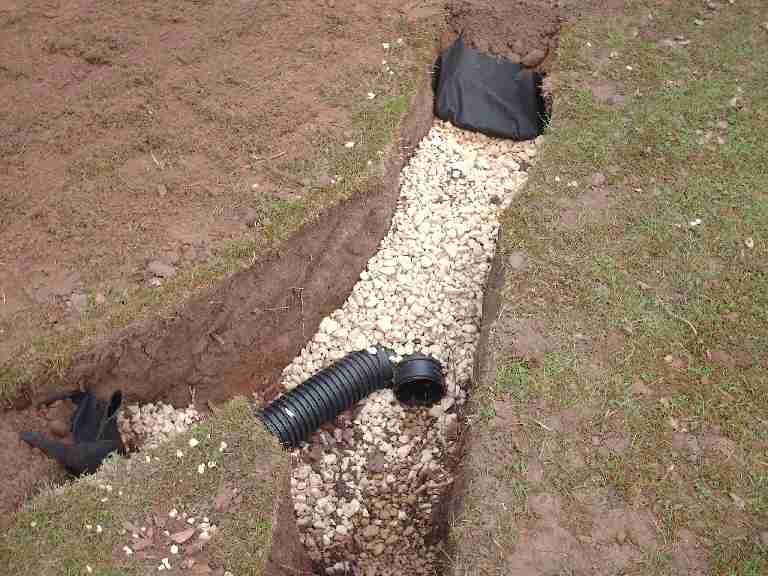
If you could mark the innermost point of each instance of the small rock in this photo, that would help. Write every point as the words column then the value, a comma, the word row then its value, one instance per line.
column 59, row 428
column 329, row 326
column 533, row 58
column 598, row 179
column 738, row 501
column 370, row 532
column 436, row 411
column 161, row 269
column 79, row 301
column 403, row 451
column 451, row 425
column 517, row 260
column 639, row 388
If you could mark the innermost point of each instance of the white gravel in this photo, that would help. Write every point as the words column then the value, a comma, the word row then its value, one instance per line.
column 364, row 495
column 149, row 425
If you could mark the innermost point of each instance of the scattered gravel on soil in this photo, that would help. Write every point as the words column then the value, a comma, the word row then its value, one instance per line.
column 364, row 494
column 149, row 425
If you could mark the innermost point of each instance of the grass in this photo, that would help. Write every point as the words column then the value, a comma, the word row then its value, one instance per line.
column 674, row 314
column 57, row 521
column 374, row 126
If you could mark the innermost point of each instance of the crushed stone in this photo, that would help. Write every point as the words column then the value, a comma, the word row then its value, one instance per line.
column 365, row 493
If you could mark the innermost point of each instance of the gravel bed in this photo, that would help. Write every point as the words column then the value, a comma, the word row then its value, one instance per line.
column 149, row 425
column 365, row 492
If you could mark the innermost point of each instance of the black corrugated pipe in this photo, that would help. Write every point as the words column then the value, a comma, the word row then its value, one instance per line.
column 294, row 416
column 419, row 380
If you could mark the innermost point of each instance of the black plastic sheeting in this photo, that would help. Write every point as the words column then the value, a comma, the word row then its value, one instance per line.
column 94, row 431
column 489, row 94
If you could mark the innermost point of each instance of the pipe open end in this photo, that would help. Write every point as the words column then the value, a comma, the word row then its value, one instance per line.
column 419, row 381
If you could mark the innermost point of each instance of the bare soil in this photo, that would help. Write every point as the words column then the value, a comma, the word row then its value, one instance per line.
column 153, row 132
column 159, row 132
column 523, row 32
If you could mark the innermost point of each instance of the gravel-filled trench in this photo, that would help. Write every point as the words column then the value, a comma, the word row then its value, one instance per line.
column 366, row 490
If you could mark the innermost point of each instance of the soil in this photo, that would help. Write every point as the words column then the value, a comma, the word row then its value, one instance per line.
column 237, row 338
column 133, row 134
column 125, row 150
column 524, row 32
column 118, row 152
column 25, row 469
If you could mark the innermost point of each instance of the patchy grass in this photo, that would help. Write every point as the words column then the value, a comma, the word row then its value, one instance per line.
column 57, row 532
column 654, row 396
column 373, row 126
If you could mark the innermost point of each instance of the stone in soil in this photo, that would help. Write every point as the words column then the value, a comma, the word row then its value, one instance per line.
column 161, row 269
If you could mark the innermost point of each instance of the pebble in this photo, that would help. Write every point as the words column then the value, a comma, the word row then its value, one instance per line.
column 422, row 292
column 533, row 58
column 79, row 301
column 161, row 269
column 152, row 424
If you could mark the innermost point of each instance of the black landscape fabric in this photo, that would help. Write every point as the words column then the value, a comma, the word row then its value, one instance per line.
column 95, row 433
column 488, row 94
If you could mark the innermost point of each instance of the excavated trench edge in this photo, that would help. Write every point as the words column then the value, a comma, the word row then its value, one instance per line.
column 238, row 338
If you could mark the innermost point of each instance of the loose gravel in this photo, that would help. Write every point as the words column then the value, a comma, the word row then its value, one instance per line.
column 365, row 493
column 149, row 425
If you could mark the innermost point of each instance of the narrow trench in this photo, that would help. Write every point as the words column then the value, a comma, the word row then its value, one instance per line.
column 370, row 490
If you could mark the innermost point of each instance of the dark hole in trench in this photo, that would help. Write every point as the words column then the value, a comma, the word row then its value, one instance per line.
column 419, row 381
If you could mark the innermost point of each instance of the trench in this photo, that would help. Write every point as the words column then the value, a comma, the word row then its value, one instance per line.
column 372, row 493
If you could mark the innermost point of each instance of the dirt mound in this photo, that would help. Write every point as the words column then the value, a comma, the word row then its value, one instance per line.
column 524, row 32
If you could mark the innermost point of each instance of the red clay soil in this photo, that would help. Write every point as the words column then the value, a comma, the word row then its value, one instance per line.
column 126, row 127
column 238, row 338
column 525, row 32
column 24, row 469
column 133, row 132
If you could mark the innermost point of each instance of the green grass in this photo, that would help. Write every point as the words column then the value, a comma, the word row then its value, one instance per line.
column 687, row 305
column 50, row 535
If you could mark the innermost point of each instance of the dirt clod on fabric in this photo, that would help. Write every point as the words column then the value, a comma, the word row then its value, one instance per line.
column 521, row 32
